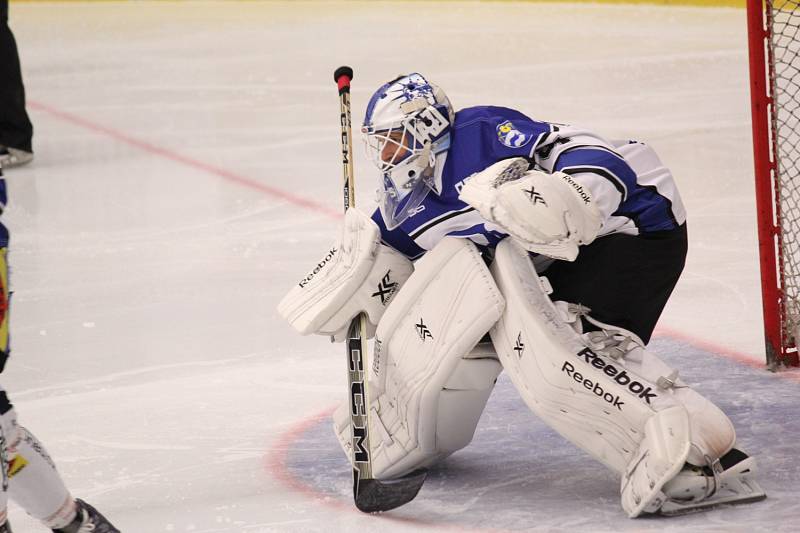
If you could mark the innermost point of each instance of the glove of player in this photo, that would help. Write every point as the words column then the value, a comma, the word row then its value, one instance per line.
column 549, row 214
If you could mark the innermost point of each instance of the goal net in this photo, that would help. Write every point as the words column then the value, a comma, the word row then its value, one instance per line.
column 774, row 36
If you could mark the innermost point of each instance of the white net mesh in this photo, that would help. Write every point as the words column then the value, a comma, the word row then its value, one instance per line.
column 783, row 17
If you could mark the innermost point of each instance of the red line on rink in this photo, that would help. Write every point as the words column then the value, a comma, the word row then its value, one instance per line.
column 276, row 463
column 171, row 155
column 276, row 459
column 728, row 353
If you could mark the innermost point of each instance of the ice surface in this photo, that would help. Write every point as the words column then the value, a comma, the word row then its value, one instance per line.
column 187, row 174
column 520, row 475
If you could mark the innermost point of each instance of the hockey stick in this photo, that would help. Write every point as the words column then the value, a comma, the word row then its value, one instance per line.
column 370, row 495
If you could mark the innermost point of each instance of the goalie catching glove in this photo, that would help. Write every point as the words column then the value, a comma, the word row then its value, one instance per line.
column 549, row 214
column 357, row 274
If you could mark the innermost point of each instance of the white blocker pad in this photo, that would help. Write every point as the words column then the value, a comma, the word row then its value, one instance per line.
column 428, row 383
column 617, row 416
column 357, row 274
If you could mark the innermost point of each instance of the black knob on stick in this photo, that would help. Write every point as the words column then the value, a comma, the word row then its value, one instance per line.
column 343, row 71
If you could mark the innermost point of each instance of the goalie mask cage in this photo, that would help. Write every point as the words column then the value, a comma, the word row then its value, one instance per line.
column 774, row 37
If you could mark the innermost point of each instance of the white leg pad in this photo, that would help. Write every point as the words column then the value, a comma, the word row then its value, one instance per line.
column 617, row 401
column 427, row 384
column 593, row 401
column 596, row 402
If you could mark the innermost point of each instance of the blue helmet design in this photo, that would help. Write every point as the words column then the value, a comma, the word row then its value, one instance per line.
column 406, row 126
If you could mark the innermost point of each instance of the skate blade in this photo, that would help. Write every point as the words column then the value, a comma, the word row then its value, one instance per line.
column 674, row 508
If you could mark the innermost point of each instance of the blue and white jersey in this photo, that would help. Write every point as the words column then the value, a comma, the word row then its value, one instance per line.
column 634, row 191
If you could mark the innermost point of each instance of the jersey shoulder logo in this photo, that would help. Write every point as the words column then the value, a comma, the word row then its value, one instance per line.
column 510, row 136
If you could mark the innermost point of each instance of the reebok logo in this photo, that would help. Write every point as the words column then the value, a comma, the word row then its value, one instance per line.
column 585, row 196
column 613, row 399
column 386, row 288
column 306, row 280
column 644, row 392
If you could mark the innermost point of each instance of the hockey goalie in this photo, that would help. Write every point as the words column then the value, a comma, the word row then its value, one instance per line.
column 503, row 243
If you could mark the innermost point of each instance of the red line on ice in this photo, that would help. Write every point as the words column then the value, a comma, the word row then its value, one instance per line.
column 276, row 463
column 176, row 157
column 723, row 351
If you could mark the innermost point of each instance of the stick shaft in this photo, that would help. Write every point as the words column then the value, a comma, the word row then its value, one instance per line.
column 357, row 355
column 347, row 149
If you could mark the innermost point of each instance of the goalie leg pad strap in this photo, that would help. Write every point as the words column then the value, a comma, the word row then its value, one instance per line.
column 427, row 385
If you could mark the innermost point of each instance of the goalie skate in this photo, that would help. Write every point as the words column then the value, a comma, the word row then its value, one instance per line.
column 731, row 480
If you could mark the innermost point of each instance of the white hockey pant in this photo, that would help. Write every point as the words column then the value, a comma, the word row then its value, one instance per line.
column 630, row 413
column 428, row 382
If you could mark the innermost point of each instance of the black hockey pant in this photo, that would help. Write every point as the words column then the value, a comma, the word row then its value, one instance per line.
column 625, row 280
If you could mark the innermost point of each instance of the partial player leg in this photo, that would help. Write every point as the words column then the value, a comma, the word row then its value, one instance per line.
column 31, row 479
column 16, row 130
column 429, row 383
column 88, row 520
column 30, row 475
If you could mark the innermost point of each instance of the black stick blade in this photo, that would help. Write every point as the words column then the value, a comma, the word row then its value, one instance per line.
column 375, row 496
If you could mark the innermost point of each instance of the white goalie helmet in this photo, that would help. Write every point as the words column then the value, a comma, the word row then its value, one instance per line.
column 406, row 126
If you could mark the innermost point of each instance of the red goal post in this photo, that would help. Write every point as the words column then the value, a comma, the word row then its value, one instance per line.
column 774, row 37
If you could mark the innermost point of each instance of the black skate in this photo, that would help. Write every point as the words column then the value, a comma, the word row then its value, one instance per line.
column 88, row 520
column 5, row 528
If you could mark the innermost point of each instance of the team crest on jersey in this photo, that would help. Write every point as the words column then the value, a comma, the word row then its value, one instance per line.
column 510, row 136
